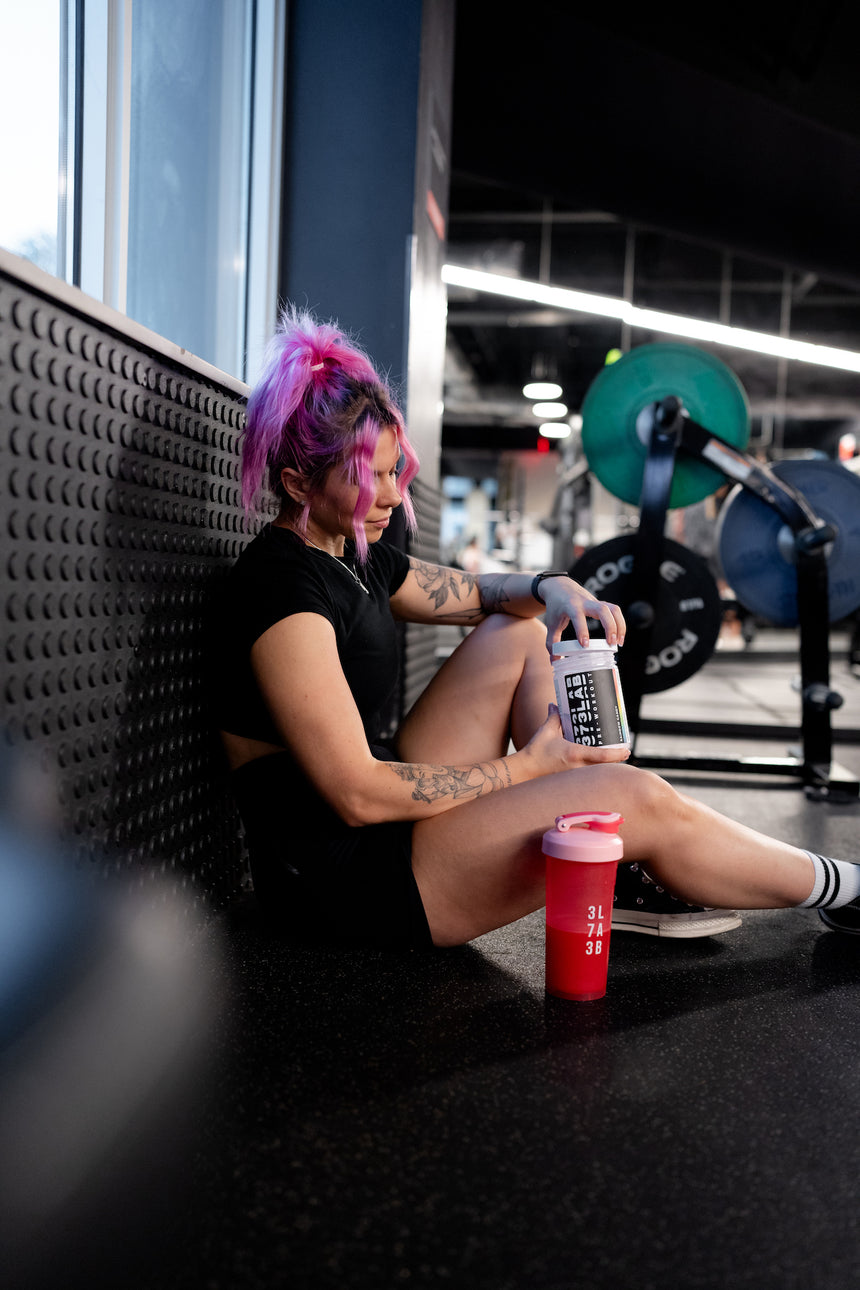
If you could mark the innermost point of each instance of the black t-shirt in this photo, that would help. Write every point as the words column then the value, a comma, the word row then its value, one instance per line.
column 317, row 878
column 278, row 575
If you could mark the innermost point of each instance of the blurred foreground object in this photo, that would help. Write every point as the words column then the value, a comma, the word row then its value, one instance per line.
column 106, row 1016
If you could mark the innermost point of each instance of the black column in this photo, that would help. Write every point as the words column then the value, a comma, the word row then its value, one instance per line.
column 366, row 186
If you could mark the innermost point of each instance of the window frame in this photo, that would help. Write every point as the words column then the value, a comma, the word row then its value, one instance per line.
column 95, row 167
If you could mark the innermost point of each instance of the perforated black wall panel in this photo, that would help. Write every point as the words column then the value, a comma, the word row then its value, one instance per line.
column 119, row 503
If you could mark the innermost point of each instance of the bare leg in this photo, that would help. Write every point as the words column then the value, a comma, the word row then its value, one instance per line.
column 495, row 688
column 479, row 866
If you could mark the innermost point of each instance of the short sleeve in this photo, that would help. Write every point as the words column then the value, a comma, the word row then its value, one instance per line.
column 393, row 563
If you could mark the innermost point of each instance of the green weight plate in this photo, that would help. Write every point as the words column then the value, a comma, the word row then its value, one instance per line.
column 710, row 391
column 755, row 545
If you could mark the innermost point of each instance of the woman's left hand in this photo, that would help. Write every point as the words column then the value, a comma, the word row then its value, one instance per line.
column 550, row 752
column 568, row 602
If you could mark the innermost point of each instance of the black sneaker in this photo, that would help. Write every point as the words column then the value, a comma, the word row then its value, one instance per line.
column 641, row 905
column 846, row 919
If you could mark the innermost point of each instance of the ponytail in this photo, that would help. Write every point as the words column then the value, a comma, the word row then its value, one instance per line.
column 319, row 403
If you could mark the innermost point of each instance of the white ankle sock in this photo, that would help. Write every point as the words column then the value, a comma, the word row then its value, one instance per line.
column 837, row 883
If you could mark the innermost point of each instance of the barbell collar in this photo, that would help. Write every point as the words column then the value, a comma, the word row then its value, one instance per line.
column 814, row 538
column 668, row 413
column 639, row 615
column 822, row 698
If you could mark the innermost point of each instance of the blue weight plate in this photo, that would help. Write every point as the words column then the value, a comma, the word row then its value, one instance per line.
column 757, row 564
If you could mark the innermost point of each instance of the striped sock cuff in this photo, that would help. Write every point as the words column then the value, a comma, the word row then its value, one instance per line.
column 837, row 883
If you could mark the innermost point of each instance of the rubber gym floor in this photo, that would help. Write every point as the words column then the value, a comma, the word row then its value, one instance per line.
column 438, row 1121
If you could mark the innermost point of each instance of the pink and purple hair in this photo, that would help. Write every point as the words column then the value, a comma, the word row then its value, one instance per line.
column 319, row 403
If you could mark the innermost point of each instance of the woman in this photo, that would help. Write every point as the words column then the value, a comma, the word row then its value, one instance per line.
column 434, row 839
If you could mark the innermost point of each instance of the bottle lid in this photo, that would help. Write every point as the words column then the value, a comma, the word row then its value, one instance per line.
column 562, row 648
column 585, row 835
column 600, row 821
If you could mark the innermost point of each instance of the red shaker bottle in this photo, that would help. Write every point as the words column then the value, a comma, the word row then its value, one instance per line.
column 582, row 854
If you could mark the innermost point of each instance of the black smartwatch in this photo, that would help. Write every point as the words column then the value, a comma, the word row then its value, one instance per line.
column 539, row 577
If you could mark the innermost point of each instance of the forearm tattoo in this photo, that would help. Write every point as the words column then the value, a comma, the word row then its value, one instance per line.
column 460, row 783
column 444, row 585
column 494, row 597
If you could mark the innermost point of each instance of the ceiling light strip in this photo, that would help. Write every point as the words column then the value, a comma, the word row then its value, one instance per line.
column 587, row 302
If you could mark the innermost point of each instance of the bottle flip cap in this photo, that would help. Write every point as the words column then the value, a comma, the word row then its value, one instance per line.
column 585, row 835
column 599, row 821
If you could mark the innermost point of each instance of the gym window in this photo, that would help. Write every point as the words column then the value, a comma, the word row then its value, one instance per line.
column 144, row 166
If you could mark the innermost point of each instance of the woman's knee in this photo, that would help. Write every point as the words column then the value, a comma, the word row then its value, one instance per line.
column 652, row 809
column 639, row 793
column 504, row 644
column 662, row 800
column 528, row 633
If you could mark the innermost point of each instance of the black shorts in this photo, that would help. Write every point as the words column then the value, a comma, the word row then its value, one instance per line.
column 320, row 881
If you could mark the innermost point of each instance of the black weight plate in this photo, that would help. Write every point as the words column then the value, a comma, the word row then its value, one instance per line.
column 754, row 542
column 688, row 612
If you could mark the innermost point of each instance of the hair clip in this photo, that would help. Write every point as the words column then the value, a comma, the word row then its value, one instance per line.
column 316, row 367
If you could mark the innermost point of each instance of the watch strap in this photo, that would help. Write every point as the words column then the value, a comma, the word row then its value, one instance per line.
column 539, row 577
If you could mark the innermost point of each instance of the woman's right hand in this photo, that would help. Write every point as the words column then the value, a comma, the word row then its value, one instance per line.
column 551, row 752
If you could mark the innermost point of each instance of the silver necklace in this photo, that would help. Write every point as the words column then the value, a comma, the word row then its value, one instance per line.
column 346, row 568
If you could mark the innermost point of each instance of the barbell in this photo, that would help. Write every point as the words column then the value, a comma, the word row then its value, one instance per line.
column 755, row 544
